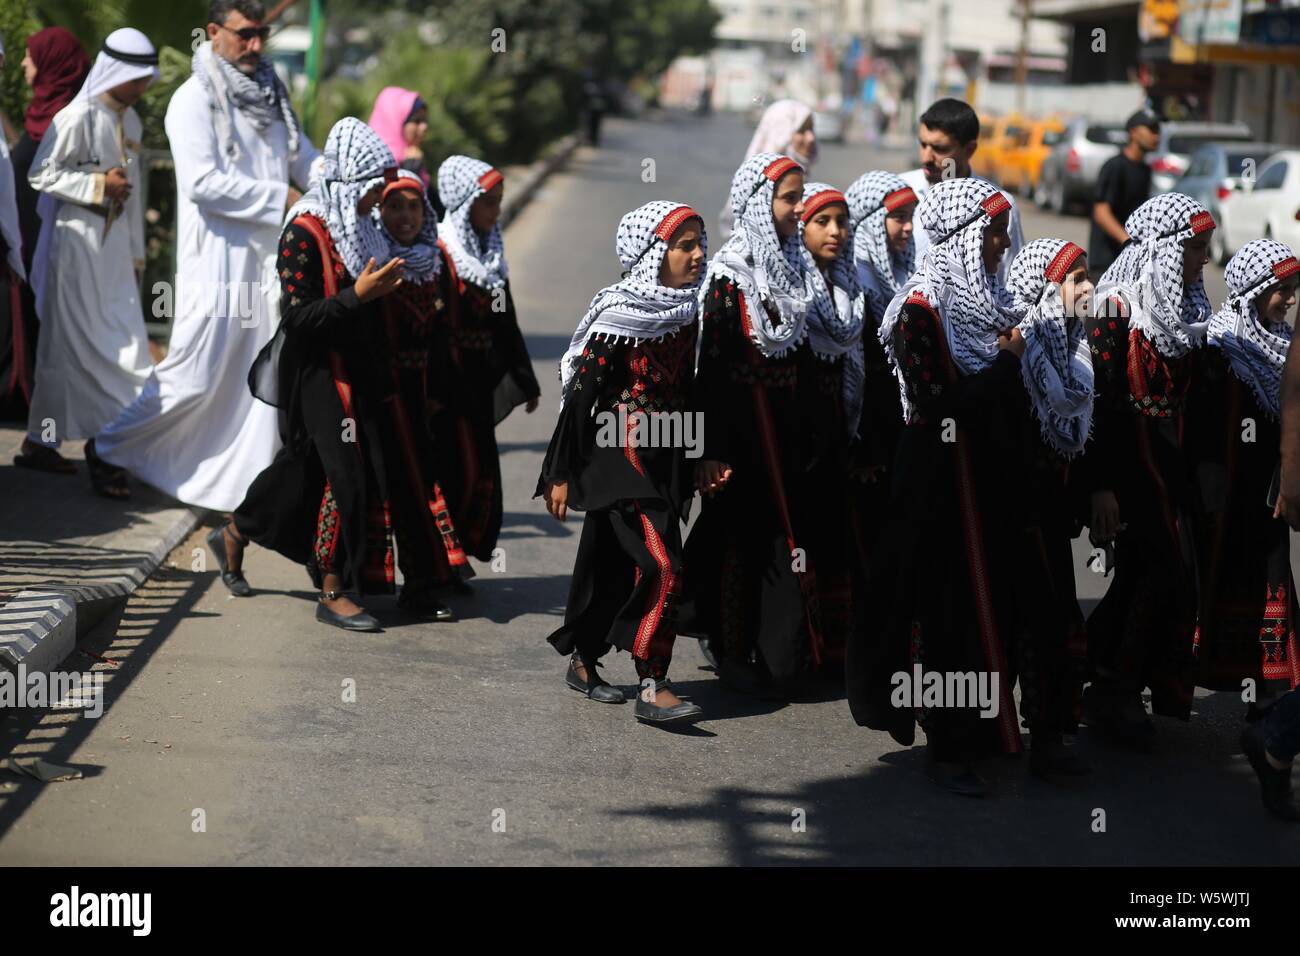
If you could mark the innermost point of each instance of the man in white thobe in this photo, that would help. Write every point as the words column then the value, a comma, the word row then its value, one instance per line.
column 196, row 432
column 948, row 135
column 93, row 355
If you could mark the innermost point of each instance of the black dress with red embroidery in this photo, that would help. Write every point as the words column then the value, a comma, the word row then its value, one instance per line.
column 624, row 590
column 1140, row 633
column 1247, row 606
column 945, row 546
column 488, row 374
column 750, row 588
column 321, row 338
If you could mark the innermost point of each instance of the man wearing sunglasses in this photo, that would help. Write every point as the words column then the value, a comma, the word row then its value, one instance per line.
column 196, row 431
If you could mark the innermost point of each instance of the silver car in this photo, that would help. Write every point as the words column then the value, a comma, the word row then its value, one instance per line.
column 1178, row 140
column 1070, row 170
column 1216, row 169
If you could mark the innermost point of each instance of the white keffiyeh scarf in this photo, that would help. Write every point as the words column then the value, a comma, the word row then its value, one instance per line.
column 768, row 269
column 355, row 160
column 481, row 262
column 837, row 310
column 261, row 97
column 1057, row 368
column 872, row 197
column 1148, row 274
column 422, row 259
column 638, row 307
column 1255, row 350
column 974, row 306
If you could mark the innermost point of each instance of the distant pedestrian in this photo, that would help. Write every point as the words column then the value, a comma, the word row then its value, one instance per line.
column 401, row 118
column 786, row 128
column 949, row 134
column 1123, row 184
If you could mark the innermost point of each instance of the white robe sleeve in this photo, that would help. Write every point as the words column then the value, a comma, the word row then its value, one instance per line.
column 9, row 214
column 201, row 178
column 54, row 165
column 309, row 158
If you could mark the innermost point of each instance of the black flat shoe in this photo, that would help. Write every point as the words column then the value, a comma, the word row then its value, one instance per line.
column 1274, row 784
column 357, row 622
column 706, row 648
column 425, row 605
column 959, row 779
column 1055, row 759
column 598, row 689
column 234, row 580
column 685, row 712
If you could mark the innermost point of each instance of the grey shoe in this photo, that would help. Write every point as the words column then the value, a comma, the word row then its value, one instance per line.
column 357, row 622
column 596, row 689
column 682, row 713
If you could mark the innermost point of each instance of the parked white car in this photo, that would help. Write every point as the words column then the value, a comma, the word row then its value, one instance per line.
column 1270, row 207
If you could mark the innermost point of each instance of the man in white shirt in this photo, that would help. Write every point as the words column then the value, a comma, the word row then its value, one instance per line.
column 949, row 135
column 196, row 432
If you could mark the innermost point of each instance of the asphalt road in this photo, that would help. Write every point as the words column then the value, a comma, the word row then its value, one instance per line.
column 463, row 745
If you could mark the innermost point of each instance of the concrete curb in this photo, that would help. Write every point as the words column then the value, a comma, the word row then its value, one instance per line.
column 39, row 627
column 521, row 192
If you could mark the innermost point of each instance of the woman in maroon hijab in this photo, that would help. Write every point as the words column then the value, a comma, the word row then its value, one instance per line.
column 55, row 67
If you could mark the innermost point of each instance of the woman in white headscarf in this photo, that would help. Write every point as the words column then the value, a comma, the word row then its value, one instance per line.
column 490, row 371
column 1049, row 289
column 619, row 453
column 749, row 569
column 330, row 498
column 881, row 206
column 832, row 395
column 786, row 128
column 1151, row 316
column 1247, row 618
column 950, row 334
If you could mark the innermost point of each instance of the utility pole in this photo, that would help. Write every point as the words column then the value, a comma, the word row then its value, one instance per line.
column 1022, row 58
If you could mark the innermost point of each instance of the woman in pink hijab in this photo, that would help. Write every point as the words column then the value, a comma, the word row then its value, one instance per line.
column 786, row 128
column 401, row 119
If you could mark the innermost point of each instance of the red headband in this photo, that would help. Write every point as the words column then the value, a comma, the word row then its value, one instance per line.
column 489, row 179
column 668, row 225
column 1061, row 262
column 403, row 183
column 996, row 204
column 779, row 167
column 823, row 198
column 899, row 197
column 1202, row 222
column 1285, row 268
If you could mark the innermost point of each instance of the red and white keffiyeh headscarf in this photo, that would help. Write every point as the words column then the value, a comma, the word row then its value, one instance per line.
column 1255, row 348
column 1057, row 367
column 481, row 262
column 355, row 160
column 638, row 307
column 872, row 197
column 974, row 306
column 768, row 269
column 837, row 310
column 422, row 259
column 1148, row 275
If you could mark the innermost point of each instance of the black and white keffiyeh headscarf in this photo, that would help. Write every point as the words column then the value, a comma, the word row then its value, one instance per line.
column 261, row 97
column 355, row 161
column 638, row 307
column 768, row 269
column 973, row 304
column 1148, row 274
column 872, row 197
column 1057, row 368
column 837, row 310
column 1255, row 348
column 422, row 259
column 481, row 262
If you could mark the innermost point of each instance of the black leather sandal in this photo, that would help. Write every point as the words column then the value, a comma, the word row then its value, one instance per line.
column 361, row 621
column 233, row 580
column 595, row 687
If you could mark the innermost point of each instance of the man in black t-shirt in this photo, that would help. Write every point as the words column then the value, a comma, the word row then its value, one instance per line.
column 1123, row 184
